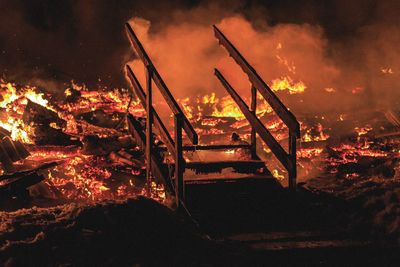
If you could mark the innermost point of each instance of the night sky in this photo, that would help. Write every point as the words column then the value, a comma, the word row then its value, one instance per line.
column 85, row 40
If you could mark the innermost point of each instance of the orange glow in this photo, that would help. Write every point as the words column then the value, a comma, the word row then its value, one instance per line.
column 287, row 83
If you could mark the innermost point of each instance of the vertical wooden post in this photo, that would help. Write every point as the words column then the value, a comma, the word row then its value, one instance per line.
column 179, row 161
column 149, row 130
column 292, row 155
column 253, row 108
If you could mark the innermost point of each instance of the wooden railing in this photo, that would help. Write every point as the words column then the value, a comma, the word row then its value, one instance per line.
column 174, row 145
column 288, row 160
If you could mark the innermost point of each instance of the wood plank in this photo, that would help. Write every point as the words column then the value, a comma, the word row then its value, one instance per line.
column 157, row 170
column 228, row 179
column 21, row 183
column 209, row 147
column 4, row 132
column 149, row 128
column 161, row 84
column 38, row 169
column 179, row 162
column 264, row 134
column 286, row 116
column 225, row 164
column 253, row 134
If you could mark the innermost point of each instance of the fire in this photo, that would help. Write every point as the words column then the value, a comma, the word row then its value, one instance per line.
column 228, row 108
column 287, row 83
column 309, row 152
column 35, row 97
column 8, row 94
column 330, row 90
column 387, row 70
column 316, row 133
column 14, row 102
column 362, row 130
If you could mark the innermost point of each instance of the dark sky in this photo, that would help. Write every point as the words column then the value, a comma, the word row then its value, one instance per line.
column 84, row 40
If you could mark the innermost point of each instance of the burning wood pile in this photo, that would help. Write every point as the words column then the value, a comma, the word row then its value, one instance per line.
column 75, row 146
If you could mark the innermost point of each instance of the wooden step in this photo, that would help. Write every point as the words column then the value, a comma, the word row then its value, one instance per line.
column 240, row 166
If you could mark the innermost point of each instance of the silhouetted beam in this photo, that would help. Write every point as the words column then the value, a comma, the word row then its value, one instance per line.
column 138, row 90
column 209, row 147
column 158, row 172
column 264, row 134
column 286, row 116
column 160, row 84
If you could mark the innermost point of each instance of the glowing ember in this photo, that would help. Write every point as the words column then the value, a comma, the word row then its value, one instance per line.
column 387, row 70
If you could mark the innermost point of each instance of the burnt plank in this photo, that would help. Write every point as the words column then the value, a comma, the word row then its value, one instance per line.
column 29, row 172
column 21, row 183
column 4, row 132
column 136, row 131
column 209, row 147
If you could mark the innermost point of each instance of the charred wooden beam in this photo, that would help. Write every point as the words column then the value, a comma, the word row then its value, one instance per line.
column 161, row 84
column 209, row 147
column 4, row 132
column 253, row 135
column 11, row 151
column 21, row 183
column 37, row 114
column 149, row 126
column 5, row 160
column 286, row 116
column 179, row 162
column 242, row 166
column 265, row 135
column 19, row 174
column 137, row 131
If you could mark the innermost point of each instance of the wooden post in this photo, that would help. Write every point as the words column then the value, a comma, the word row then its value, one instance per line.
column 293, row 158
column 149, row 132
column 253, row 130
column 179, row 161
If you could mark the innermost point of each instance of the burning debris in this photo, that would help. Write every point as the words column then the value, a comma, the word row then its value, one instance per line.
column 79, row 132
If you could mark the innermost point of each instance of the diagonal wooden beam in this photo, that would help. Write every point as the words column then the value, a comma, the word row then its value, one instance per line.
column 264, row 134
column 135, row 129
column 160, row 83
column 286, row 116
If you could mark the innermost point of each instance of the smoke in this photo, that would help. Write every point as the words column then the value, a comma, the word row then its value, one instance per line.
column 361, row 71
column 347, row 47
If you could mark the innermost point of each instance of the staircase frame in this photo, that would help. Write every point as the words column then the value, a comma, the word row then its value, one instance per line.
column 174, row 145
column 288, row 160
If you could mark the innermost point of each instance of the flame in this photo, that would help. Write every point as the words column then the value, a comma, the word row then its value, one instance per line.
column 287, row 83
column 228, row 108
column 14, row 101
column 362, row 130
column 330, row 89
column 387, row 70
column 315, row 134
column 36, row 97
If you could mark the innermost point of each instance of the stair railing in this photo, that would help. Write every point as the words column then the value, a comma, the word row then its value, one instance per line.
column 174, row 146
column 288, row 160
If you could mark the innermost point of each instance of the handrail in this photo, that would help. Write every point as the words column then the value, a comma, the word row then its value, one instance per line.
column 286, row 116
column 155, row 76
column 262, row 131
column 287, row 159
